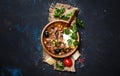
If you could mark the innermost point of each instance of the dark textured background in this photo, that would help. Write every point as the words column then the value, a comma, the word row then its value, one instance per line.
column 21, row 22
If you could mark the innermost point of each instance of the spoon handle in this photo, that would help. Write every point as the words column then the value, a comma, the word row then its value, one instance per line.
column 72, row 18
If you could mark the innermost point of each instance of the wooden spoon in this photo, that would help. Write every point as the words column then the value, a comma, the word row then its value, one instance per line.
column 72, row 18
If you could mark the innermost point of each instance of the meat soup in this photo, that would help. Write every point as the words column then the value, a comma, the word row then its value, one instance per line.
column 59, row 39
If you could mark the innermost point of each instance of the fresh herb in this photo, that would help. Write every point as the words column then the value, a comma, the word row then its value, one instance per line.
column 69, row 14
column 74, row 28
column 69, row 42
column 58, row 12
column 64, row 17
column 75, row 43
column 80, row 23
column 74, row 36
column 60, row 65
column 67, row 31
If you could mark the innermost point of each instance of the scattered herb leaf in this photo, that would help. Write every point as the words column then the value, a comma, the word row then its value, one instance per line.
column 80, row 23
column 60, row 65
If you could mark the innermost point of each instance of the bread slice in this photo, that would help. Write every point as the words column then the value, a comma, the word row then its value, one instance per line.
column 48, row 59
column 68, row 9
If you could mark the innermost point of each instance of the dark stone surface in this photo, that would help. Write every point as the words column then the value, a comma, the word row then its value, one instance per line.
column 21, row 22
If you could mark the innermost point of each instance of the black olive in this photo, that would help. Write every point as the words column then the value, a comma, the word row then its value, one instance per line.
column 46, row 33
column 57, row 50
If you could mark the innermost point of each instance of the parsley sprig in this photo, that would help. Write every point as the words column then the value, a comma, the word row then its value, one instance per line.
column 80, row 23
column 72, row 32
column 59, row 13
column 60, row 65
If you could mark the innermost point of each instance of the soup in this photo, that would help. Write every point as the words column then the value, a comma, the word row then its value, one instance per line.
column 59, row 39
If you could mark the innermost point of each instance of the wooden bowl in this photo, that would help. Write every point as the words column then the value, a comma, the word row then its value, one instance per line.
column 48, row 52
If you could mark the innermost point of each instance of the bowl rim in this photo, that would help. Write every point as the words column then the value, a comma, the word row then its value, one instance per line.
column 44, row 48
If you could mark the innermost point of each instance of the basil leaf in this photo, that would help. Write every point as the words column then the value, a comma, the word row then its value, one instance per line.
column 75, row 43
column 66, row 31
column 74, row 36
column 80, row 23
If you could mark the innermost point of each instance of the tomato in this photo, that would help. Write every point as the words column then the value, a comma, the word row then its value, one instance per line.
column 67, row 62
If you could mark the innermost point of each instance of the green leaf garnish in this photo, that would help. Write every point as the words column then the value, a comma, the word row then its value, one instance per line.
column 62, row 10
column 60, row 65
column 74, row 28
column 58, row 12
column 69, row 14
column 74, row 36
column 64, row 17
column 75, row 43
column 67, row 31
column 80, row 23
column 69, row 42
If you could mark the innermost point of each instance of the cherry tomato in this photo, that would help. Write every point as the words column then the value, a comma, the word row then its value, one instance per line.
column 67, row 62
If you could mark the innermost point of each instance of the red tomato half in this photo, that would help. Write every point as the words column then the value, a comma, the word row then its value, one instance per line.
column 67, row 62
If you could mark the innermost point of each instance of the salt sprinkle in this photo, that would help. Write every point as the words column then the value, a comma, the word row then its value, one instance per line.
column 81, row 39
column 81, row 32
column 83, row 49
column 43, row 69
column 81, row 60
column 10, row 29
column 60, row 73
column 82, row 65
column 105, row 10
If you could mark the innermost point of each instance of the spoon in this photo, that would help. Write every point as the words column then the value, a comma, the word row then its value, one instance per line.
column 72, row 18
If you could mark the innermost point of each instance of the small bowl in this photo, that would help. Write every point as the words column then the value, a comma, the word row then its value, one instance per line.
column 45, row 49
